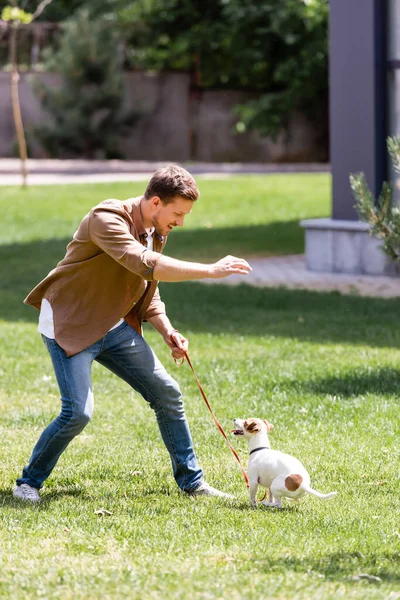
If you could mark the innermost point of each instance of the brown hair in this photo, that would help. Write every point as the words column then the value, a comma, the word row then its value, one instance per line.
column 171, row 181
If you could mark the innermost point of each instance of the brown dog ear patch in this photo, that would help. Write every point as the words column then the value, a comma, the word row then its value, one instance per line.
column 252, row 426
column 293, row 482
column 269, row 425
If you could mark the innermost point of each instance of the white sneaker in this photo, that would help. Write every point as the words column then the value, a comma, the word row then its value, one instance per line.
column 205, row 489
column 26, row 492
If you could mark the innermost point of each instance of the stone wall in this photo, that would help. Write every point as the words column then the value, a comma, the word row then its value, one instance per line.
column 174, row 123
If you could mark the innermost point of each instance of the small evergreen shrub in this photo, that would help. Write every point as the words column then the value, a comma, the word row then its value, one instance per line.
column 85, row 109
column 382, row 214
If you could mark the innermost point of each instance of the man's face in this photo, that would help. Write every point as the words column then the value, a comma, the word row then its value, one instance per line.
column 168, row 216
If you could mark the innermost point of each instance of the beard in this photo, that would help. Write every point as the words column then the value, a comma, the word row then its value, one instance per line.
column 160, row 229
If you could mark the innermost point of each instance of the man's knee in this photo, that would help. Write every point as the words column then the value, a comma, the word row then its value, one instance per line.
column 76, row 414
column 173, row 388
column 172, row 401
column 169, row 399
column 78, row 421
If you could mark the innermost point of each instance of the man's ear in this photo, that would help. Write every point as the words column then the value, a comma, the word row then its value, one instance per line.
column 269, row 425
column 155, row 201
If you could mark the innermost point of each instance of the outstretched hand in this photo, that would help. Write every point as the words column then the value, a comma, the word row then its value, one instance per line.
column 230, row 265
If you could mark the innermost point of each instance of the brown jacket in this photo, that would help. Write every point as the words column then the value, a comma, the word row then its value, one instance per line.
column 106, row 274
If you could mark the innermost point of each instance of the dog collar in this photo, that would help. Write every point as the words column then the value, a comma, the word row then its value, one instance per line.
column 260, row 448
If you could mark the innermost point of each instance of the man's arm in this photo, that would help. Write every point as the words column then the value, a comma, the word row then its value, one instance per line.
column 171, row 269
column 162, row 324
column 174, row 340
column 110, row 231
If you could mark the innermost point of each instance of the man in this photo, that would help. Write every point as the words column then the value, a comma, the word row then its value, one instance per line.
column 92, row 306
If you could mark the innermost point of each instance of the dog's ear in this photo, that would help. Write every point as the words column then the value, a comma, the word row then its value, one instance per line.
column 252, row 426
column 269, row 425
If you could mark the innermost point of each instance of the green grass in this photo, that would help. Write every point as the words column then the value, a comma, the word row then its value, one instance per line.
column 323, row 368
column 249, row 214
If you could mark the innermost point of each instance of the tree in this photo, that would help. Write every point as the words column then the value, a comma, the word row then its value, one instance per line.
column 86, row 108
column 299, row 74
column 275, row 47
column 15, row 16
column 381, row 214
column 62, row 10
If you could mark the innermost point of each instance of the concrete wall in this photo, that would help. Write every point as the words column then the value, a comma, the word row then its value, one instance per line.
column 174, row 123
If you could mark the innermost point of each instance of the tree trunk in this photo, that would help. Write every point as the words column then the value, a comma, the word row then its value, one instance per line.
column 16, row 106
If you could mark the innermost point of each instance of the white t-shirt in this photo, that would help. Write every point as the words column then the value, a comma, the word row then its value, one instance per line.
column 46, row 321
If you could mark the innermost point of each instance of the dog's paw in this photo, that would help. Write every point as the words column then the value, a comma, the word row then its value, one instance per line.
column 271, row 504
column 253, row 503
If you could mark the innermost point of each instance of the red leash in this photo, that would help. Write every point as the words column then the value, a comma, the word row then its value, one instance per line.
column 232, row 449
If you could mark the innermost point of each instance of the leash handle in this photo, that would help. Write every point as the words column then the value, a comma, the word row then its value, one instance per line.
column 182, row 359
column 232, row 449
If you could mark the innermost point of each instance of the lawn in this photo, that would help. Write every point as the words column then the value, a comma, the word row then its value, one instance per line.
column 323, row 368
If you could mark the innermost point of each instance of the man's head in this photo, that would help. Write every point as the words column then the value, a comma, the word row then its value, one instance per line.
column 168, row 198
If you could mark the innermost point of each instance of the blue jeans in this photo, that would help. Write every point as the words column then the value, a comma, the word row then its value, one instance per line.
column 124, row 352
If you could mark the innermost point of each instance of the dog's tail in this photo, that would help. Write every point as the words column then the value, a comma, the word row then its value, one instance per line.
column 318, row 494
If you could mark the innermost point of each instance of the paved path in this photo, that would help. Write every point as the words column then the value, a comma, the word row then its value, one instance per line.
column 50, row 172
column 291, row 272
column 285, row 271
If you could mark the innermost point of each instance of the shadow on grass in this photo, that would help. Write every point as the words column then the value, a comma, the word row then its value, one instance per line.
column 23, row 265
column 289, row 507
column 279, row 237
column 7, row 499
column 236, row 310
column 340, row 566
column 381, row 381
column 294, row 314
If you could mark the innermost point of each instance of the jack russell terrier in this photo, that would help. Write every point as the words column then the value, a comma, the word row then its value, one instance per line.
column 281, row 473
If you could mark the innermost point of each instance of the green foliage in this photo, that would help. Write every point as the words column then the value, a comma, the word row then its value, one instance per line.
column 15, row 14
column 299, row 73
column 276, row 47
column 381, row 215
column 86, row 108
column 61, row 10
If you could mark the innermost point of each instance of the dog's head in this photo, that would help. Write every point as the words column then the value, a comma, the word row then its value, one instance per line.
column 251, row 427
